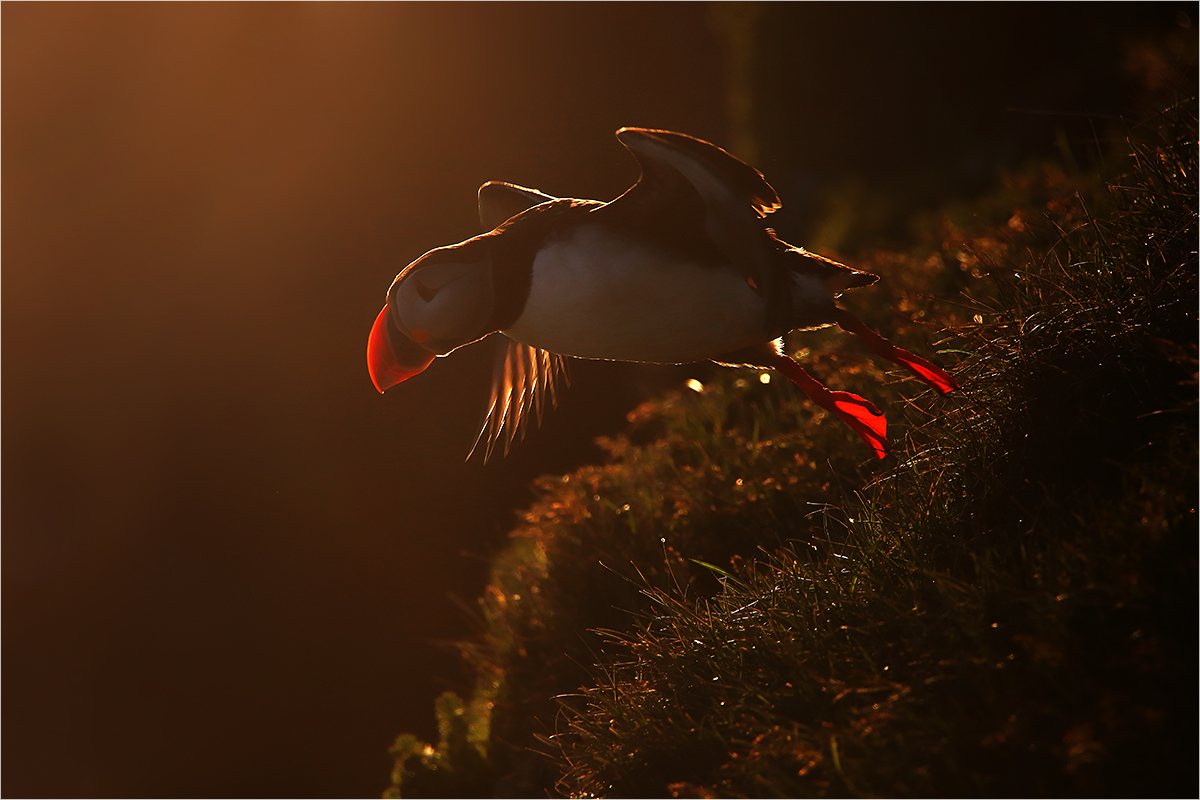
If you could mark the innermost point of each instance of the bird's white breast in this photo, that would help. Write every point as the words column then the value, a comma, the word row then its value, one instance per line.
column 594, row 294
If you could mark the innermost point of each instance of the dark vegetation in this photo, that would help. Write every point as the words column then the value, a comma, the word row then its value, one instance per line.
column 742, row 602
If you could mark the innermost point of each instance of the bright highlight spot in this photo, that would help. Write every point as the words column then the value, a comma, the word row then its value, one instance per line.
column 764, row 377
column 695, row 385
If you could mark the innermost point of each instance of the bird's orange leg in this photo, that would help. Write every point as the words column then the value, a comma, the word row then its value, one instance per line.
column 859, row 413
column 926, row 371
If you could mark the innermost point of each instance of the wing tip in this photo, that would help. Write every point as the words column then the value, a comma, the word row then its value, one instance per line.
column 738, row 176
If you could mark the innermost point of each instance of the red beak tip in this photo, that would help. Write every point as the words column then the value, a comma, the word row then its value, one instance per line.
column 385, row 366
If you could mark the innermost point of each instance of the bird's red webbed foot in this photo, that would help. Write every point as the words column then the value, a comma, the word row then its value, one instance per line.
column 935, row 376
column 857, row 412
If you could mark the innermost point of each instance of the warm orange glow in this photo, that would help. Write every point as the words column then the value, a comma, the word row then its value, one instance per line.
column 206, row 512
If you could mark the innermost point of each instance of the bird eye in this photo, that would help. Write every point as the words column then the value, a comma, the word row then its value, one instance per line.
column 426, row 293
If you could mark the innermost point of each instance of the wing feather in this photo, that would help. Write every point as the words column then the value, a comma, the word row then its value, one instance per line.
column 719, row 177
column 734, row 198
column 522, row 380
column 500, row 201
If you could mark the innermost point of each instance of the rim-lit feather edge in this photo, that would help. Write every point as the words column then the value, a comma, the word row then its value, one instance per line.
column 522, row 379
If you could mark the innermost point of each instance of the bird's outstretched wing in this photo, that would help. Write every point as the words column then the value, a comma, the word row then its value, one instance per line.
column 524, row 377
column 721, row 179
column 697, row 189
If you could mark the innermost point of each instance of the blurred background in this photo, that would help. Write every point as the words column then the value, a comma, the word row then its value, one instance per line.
column 230, row 567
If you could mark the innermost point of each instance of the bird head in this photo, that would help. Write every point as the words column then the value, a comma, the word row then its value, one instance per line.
column 440, row 302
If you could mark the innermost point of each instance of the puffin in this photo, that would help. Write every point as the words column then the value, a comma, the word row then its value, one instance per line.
column 680, row 268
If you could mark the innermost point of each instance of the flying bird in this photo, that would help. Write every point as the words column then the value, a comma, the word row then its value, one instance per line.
column 680, row 268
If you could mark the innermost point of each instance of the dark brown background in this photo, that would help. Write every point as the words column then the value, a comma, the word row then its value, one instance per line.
column 227, row 562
